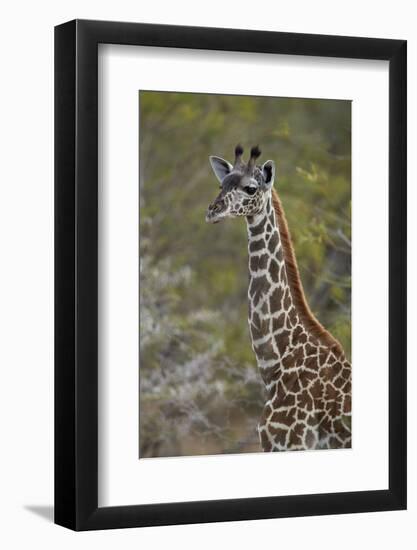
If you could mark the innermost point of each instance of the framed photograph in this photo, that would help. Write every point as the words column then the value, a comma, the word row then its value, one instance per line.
column 230, row 253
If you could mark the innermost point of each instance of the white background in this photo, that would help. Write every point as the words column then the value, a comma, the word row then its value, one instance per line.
column 26, row 301
column 123, row 479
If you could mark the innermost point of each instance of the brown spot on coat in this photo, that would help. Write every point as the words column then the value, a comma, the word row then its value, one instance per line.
column 327, row 373
column 310, row 439
column 333, row 408
column 256, row 246
column 346, row 373
column 331, row 392
column 265, row 351
column 302, row 339
column 279, row 435
column 258, row 262
column 288, row 361
column 296, row 333
column 301, row 415
column 292, row 316
column 291, row 382
column 267, row 411
column 274, row 271
column 283, row 340
column 273, row 243
column 282, row 399
column 278, row 322
column 296, row 435
column 268, row 374
column 287, row 300
column 266, row 444
column 258, row 286
column 311, row 350
column 305, row 401
column 275, row 300
column 325, row 426
column 258, row 327
column 312, row 363
column 347, row 404
column 340, row 429
column 312, row 420
column 306, row 377
column 259, row 228
column 284, row 417
column 317, row 389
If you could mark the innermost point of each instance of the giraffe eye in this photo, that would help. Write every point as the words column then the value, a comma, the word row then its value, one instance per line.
column 249, row 190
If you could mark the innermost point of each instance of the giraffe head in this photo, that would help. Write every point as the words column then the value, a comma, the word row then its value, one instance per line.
column 244, row 187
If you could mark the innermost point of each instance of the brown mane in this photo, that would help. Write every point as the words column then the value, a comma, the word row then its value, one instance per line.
column 311, row 323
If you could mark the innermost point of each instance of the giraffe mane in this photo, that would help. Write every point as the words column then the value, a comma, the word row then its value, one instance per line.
column 311, row 323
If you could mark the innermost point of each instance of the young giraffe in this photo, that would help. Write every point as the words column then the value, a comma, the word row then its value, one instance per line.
column 304, row 368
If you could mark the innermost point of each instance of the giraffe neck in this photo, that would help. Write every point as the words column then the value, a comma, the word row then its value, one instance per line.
column 279, row 317
column 267, row 271
column 269, row 296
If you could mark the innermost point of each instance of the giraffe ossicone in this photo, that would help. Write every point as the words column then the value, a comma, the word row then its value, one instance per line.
column 304, row 368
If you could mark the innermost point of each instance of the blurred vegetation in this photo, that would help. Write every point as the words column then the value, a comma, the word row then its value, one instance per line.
column 200, row 392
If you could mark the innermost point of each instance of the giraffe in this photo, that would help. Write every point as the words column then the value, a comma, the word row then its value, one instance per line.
column 304, row 368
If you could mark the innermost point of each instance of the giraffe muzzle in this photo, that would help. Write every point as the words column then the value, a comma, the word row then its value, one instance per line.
column 215, row 211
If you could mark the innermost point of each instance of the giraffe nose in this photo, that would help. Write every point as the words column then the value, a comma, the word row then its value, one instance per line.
column 216, row 207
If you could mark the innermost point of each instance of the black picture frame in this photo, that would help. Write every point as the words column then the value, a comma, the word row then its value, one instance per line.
column 76, row 272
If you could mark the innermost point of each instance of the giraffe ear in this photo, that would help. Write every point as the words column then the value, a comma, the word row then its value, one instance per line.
column 268, row 170
column 220, row 167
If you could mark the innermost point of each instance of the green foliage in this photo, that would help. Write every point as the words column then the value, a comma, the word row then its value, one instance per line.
column 195, row 346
